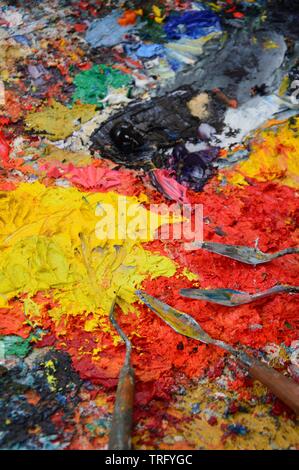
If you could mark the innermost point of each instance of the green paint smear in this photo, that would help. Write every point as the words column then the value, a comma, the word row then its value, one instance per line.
column 93, row 85
column 14, row 346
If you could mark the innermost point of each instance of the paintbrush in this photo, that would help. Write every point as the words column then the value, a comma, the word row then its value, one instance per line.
column 233, row 298
column 283, row 387
column 244, row 254
column 121, row 427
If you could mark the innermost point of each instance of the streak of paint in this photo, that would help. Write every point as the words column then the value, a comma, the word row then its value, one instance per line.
column 192, row 24
column 50, row 374
column 57, row 121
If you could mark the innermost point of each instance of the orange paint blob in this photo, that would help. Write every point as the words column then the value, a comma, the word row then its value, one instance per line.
column 129, row 18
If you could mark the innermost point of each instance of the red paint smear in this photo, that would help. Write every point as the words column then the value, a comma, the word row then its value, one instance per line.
column 13, row 320
column 7, row 185
column 80, row 27
column 89, row 177
column 238, row 14
column 4, row 148
column 84, row 66
column 96, row 177
column 8, row 163
column 13, row 106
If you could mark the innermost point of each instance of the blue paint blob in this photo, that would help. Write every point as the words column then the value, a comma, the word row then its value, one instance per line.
column 22, row 40
column 238, row 429
column 195, row 409
column 192, row 25
column 148, row 51
column 174, row 63
column 61, row 398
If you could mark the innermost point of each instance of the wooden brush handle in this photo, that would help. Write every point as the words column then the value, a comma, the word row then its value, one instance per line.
column 120, row 434
column 284, row 388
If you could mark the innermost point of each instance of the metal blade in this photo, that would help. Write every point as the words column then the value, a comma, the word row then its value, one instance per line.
column 178, row 321
column 244, row 254
column 227, row 297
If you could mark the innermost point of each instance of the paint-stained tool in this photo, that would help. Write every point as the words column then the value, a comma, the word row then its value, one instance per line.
column 283, row 387
column 244, row 254
column 121, row 427
column 233, row 298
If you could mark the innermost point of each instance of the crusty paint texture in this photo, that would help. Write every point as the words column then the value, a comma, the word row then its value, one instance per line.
column 273, row 157
column 59, row 242
column 57, row 280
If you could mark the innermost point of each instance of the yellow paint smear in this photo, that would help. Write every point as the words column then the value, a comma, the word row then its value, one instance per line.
column 50, row 374
column 285, row 83
column 49, row 243
column 58, row 122
column 270, row 44
column 274, row 157
column 189, row 275
column 10, row 54
column 52, row 154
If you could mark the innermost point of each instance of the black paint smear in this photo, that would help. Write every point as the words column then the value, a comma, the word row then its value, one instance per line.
column 283, row 17
column 19, row 418
column 149, row 128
